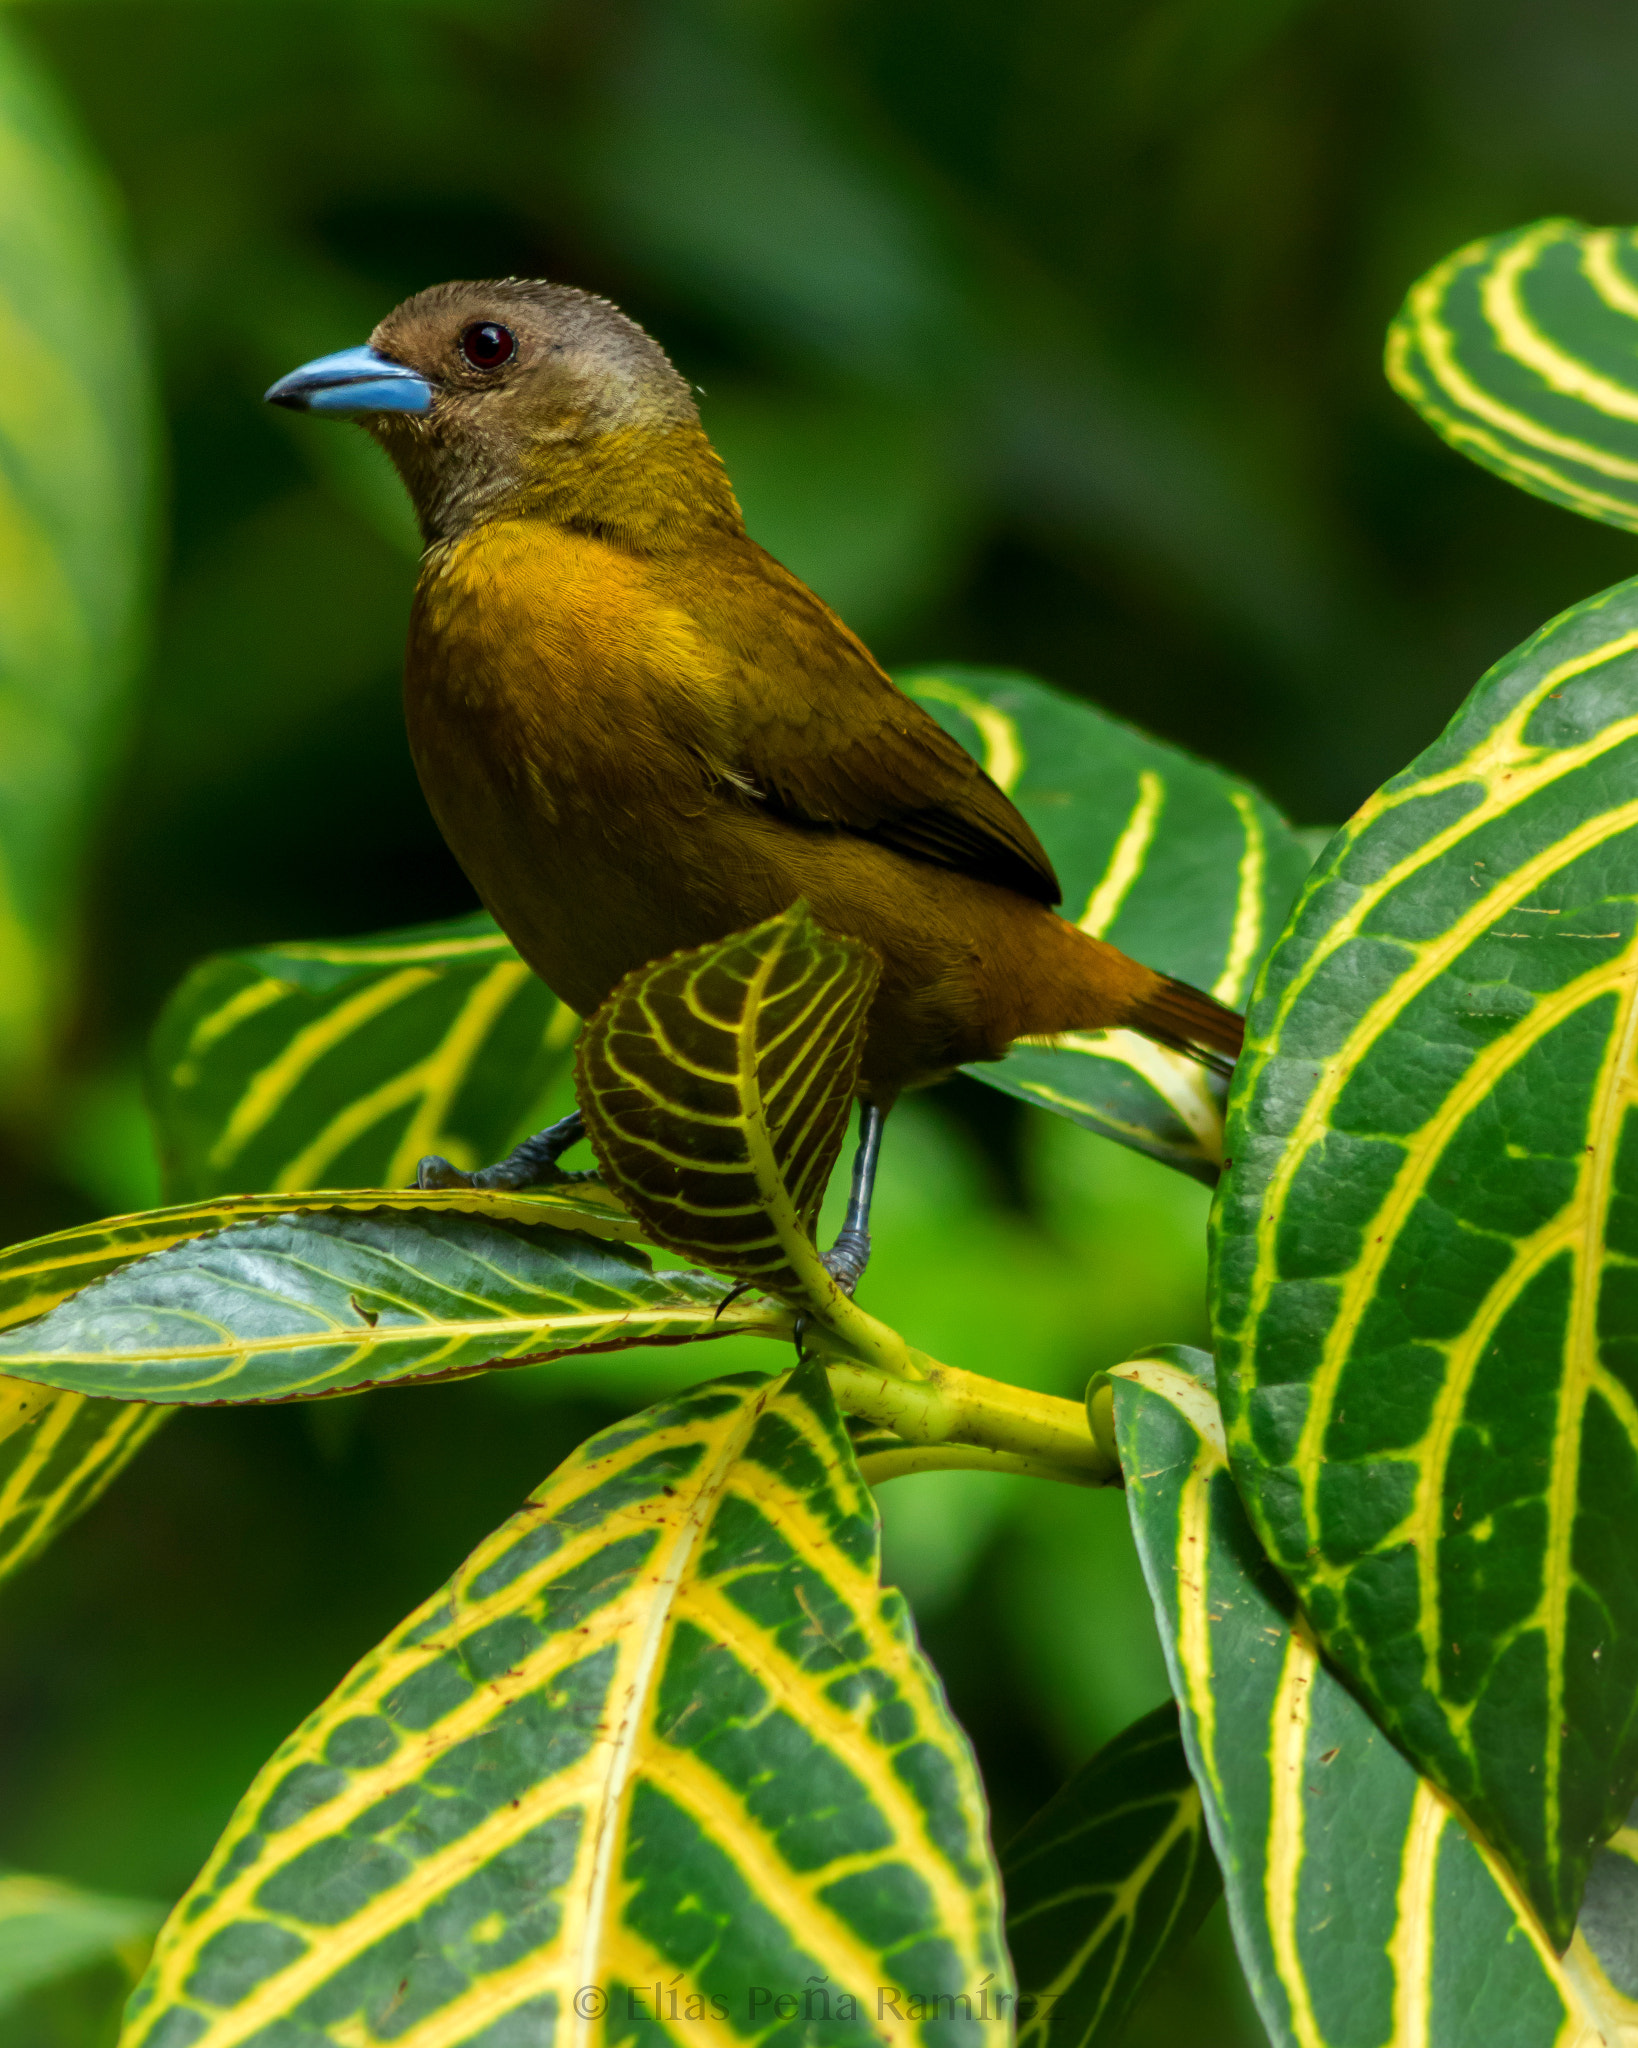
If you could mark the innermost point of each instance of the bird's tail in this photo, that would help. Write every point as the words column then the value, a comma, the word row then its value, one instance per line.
column 1189, row 1021
column 1071, row 981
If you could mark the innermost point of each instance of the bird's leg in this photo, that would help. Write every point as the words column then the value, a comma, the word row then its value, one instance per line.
column 529, row 1165
column 850, row 1254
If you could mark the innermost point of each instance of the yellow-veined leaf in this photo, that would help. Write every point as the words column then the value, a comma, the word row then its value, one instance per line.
column 1521, row 350
column 57, row 1453
column 1184, row 867
column 58, row 1450
column 344, row 1061
column 716, row 1087
column 1363, row 1909
column 327, row 1297
column 76, row 487
column 1424, row 1252
column 39, row 1273
column 1105, row 1884
column 664, row 1735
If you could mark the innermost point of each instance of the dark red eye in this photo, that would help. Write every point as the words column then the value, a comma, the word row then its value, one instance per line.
column 486, row 344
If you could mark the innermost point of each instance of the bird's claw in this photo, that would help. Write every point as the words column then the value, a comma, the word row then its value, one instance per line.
column 533, row 1164
column 505, row 1178
column 847, row 1258
column 437, row 1172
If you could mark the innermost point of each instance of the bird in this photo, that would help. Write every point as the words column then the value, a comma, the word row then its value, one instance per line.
column 639, row 733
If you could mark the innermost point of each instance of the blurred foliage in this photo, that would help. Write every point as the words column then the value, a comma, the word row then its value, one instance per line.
column 76, row 508
column 1045, row 337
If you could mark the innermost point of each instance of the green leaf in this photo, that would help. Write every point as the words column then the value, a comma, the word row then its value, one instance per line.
column 1521, row 350
column 1423, row 1264
column 1184, row 867
column 663, row 1727
column 49, row 1930
column 716, row 1087
column 57, row 1453
column 37, row 1275
column 1364, row 1911
column 322, row 1298
column 1107, row 1882
column 76, row 489
column 343, row 1062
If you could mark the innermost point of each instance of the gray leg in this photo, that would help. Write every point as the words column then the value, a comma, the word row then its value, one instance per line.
column 530, row 1165
column 850, row 1254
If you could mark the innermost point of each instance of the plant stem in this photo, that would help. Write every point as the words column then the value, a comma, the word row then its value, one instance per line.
column 945, row 1406
column 898, row 1461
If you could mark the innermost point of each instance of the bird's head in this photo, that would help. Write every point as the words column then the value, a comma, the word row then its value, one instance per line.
column 502, row 396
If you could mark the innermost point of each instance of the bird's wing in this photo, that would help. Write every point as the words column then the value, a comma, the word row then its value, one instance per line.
column 819, row 734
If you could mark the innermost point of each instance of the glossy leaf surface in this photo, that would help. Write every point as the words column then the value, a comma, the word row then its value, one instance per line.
column 1363, row 1910
column 76, row 473
column 326, row 1301
column 49, row 1930
column 59, row 1450
column 1109, row 1879
column 1424, row 1254
column 664, row 1728
column 1521, row 350
column 42, row 1271
column 342, row 1062
column 716, row 1087
column 1178, row 864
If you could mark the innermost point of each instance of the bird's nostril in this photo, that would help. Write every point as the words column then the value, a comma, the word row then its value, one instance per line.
column 486, row 344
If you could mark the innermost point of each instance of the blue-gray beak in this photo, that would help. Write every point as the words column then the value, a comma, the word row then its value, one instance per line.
column 355, row 380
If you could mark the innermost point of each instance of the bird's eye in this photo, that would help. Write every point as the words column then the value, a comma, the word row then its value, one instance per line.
column 486, row 344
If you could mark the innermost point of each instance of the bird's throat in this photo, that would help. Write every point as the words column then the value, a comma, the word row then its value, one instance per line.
column 643, row 488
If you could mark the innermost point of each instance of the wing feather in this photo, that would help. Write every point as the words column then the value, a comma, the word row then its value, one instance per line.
column 825, row 739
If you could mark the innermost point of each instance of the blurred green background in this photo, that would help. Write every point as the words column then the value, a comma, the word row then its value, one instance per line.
column 1045, row 336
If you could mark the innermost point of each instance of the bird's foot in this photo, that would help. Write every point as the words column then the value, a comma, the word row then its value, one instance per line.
column 532, row 1164
column 847, row 1258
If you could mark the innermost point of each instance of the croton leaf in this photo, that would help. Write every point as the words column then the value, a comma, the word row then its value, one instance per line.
column 1521, row 350
column 716, row 1086
column 344, row 1061
column 1106, row 1882
column 39, row 1273
column 1363, row 1909
column 327, row 1297
column 1425, row 1251
column 662, row 1756
column 57, row 1453
column 50, row 1930
column 76, row 479
column 1184, row 867
column 58, row 1450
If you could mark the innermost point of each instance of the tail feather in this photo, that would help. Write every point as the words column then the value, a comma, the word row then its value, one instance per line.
column 1189, row 1021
